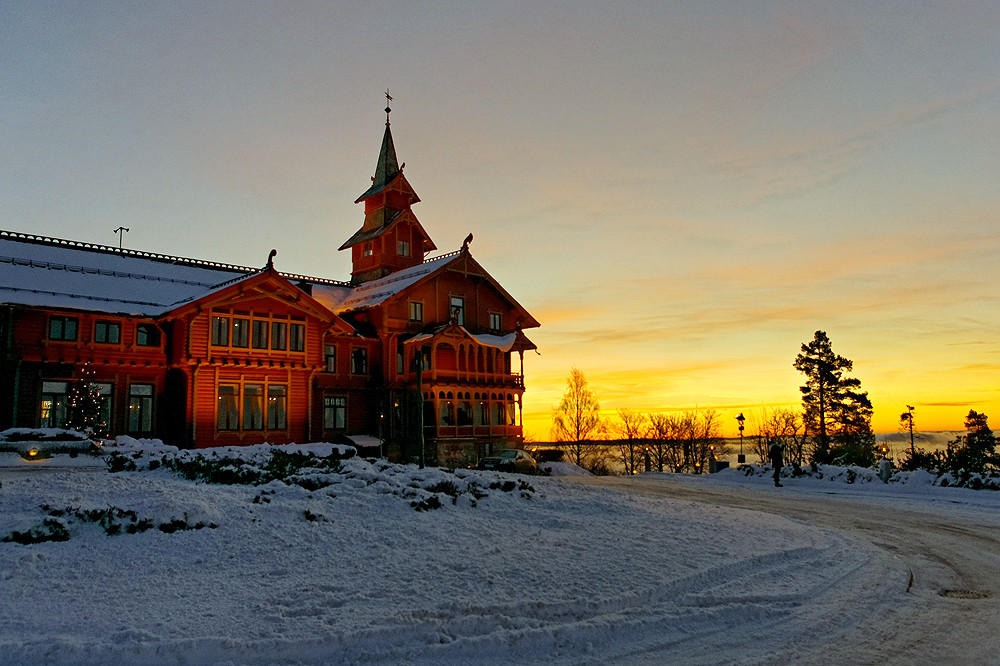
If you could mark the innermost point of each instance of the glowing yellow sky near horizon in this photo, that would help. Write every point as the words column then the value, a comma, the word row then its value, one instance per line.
column 681, row 193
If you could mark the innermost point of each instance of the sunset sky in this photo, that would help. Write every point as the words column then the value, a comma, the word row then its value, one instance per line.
column 680, row 192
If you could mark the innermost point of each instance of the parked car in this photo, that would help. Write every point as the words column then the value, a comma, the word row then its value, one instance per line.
column 548, row 455
column 510, row 460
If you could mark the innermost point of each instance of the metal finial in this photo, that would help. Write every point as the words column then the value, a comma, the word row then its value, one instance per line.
column 121, row 231
column 388, row 98
column 270, row 259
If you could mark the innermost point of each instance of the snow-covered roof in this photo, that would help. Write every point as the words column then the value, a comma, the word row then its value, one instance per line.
column 89, row 278
column 372, row 293
column 54, row 273
column 502, row 342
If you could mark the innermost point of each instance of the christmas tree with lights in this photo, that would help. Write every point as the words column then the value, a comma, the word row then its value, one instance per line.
column 84, row 408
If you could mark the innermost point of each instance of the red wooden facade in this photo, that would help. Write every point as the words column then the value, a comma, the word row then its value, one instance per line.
column 424, row 356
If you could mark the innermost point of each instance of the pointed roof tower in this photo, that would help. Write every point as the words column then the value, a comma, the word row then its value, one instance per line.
column 391, row 238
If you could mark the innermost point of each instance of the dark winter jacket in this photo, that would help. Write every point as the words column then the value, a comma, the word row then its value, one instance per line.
column 776, row 452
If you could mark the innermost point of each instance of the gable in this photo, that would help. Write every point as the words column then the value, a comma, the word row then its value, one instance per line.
column 267, row 286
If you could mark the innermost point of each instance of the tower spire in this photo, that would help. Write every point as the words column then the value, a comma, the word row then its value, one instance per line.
column 388, row 98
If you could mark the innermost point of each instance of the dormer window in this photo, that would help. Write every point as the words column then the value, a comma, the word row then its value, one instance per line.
column 403, row 248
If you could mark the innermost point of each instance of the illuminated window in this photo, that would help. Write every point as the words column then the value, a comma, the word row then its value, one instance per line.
column 228, row 394
column 55, row 399
column 495, row 321
column 147, row 335
column 279, row 332
column 330, row 353
column 253, row 407
column 403, row 248
column 140, row 408
column 108, row 332
column 335, row 412
column 359, row 362
column 259, row 336
column 220, row 331
column 297, row 337
column 458, row 310
column 62, row 328
column 277, row 407
column 416, row 311
column 241, row 332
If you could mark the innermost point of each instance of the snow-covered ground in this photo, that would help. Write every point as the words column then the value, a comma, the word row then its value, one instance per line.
column 359, row 567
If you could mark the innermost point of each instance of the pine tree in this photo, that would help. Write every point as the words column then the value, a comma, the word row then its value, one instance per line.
column 835, row 410
column 976, row 448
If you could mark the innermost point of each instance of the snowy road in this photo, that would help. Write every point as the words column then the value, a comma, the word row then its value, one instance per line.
column 643, row 571
column 950, row 609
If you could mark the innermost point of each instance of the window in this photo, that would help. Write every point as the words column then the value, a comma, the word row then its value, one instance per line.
column 253, row 407
column 367, row 252
column 104, row 393
column 241, row 332
column 330, row 354
column 279, row 331
column 297, row 337
column 464, row 413
column 403, row 248
column 220, row 331
column 458, row 310
column 147, row 335
column 109, row 332
column 62, row 328
column 400, row 362
column 495, row 321
column 447, row 414
column 416, row 311
column 55, row 399
column 277, row 407
column 227, row 407
column 335, row 412
column 140, row 408
column 359, row 362
column 259, row 336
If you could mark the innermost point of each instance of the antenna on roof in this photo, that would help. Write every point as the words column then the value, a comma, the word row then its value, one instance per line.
column 388, row 98
column 121, row 231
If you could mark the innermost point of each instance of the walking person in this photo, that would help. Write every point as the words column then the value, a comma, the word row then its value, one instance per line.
column 777, row 454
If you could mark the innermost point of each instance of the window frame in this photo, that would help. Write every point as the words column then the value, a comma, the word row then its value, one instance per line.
column 297, row 337
column 416, row 312
column 359, row 356
column 330, row 358
column 141, row 408
column 335, row 406
column 107, row 332
column 457, row 303
column 63, row 322
column 151, row 332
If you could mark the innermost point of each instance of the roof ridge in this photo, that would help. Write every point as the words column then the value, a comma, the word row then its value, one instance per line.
column 152, row 256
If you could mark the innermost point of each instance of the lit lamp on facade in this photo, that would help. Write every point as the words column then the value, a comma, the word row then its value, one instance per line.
column 740, row 419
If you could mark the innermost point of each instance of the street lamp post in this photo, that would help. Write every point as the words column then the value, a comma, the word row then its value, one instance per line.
column 740, row 419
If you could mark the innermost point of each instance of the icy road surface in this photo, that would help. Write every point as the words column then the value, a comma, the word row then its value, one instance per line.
column 947, row 541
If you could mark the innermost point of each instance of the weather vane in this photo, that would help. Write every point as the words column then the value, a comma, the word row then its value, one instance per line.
column 388, row 98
